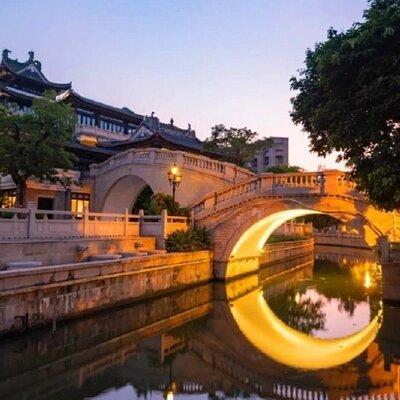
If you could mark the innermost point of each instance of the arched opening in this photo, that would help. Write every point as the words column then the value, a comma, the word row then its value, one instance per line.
column 143, row 199
column 124, row 194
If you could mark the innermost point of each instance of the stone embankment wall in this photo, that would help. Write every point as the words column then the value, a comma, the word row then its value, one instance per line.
column 32, row 297
column 353, row 241
column 281, row 251
column 53, row 252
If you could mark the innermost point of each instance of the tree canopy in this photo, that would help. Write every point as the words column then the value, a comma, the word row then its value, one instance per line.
column 283, row 169
column 348, row 100
column 236, row 145
column 32, row 144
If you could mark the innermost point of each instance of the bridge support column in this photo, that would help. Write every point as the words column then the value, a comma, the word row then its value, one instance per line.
column 391, row 282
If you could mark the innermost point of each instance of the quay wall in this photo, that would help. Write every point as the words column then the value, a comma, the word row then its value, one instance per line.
column 352, row 241
column 53, row 252
column 280, row 251
column 34, row 297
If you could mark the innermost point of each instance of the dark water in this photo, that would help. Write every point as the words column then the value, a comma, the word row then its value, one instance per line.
column 319, row 332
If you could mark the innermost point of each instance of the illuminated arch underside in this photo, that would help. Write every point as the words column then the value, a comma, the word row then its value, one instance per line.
column 252, row 242
column 288, row 346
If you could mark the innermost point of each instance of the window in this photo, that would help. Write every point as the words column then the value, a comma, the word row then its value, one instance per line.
column 266, row 160
column 8, row 198
column 279, row 160
column 79, row 201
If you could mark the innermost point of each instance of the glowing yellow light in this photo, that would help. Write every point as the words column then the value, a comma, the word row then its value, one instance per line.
column 297, row 298
column 288, row 346
column 252, row 242
column 169, row 395
column 367, row 280
column 174, row 170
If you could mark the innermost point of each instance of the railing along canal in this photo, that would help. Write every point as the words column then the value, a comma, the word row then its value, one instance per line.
column 30, row 223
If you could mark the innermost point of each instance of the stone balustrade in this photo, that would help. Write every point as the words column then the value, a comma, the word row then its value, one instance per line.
column 164, row 157
column 30, row 223
column 331, row 182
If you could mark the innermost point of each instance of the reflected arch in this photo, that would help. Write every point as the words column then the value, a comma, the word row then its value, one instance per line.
column 273, row 338
column 123, row 194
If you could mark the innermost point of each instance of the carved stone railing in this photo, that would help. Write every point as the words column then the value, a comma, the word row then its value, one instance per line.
column 332, row 182
column 163, row 157
column 30, row 223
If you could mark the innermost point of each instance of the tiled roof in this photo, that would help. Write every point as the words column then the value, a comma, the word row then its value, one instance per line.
column 30, row 69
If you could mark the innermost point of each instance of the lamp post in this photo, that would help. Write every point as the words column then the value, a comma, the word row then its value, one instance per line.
column 174, row 178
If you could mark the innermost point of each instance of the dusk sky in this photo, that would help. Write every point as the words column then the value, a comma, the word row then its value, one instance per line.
column 201, row 62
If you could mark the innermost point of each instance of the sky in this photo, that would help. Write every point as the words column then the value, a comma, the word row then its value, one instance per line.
column 202, row 62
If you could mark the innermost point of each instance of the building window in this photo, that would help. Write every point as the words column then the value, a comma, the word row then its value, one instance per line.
column 8, row 198
column 79, row 201
column 266, row 160
column 279, row 160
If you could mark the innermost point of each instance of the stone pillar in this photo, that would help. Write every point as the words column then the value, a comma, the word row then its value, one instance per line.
column 141, row 220
column 383, row 243
column 126, row 220
column 31, row 219
column 164, row 223
column 85, row 222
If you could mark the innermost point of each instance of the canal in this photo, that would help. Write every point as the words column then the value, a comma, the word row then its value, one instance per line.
column 317, row 332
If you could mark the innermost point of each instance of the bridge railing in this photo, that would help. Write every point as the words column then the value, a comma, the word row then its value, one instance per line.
column 30, row 223
column 298, row 183
column 164, row 157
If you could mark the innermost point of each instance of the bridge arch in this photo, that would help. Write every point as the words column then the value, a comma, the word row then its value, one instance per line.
column 240, row 230
column 199, row 175
column 123, row 194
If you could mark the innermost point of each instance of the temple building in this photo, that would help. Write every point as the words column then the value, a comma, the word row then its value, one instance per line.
column 101, row 131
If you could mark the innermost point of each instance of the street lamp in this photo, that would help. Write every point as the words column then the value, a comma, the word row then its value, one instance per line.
column 174, row 178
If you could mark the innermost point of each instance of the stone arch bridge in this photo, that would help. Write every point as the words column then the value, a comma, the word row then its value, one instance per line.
column 117, row 182
column 240, row 218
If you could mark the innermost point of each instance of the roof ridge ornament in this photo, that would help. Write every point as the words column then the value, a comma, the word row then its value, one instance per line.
column 6, row 53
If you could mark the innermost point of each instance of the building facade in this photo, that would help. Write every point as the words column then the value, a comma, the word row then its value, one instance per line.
column 101, row 131
column 276, row 155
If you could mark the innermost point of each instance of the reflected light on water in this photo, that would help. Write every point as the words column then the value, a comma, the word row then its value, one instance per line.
column 367, row 280
column 288, row 346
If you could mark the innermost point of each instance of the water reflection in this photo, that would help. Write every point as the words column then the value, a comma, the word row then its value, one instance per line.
column 189, row 345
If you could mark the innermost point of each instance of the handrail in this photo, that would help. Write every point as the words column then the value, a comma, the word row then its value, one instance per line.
column 326, row 182
column 165, row 157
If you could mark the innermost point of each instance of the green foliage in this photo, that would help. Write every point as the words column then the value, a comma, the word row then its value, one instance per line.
column 236, row 145
column 319, row 221
column 283, row 169
column 194, row 239
column 276, row 238
column 33, row 144
column 143, row 200
column 161, row 201
column 348, row 101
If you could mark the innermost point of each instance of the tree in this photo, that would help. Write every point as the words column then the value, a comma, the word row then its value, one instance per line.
column 161, row 201
column 32, row 145
column 236, row 145
column 348, row 101
column 283, row 169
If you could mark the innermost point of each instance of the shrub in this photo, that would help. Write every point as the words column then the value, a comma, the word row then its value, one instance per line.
column 194, row 239
column 160, row 201
column 286, row 238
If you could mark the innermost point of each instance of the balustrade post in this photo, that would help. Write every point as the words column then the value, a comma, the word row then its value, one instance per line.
column 126, row 220
column 141, row 222
column 31, row 220
column 85, row 222
column 164, row 223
